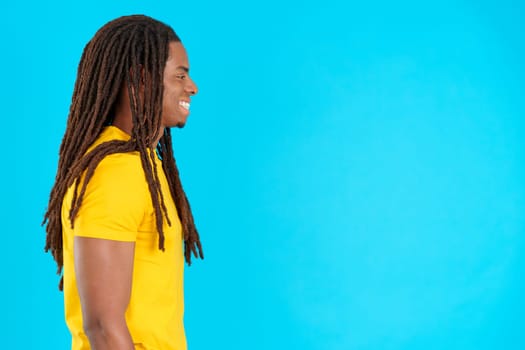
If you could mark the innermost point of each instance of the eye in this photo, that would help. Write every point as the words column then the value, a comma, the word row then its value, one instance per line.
column 181, row 76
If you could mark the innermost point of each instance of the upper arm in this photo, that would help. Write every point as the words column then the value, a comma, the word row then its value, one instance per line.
column 105, row 231
column 104, row 270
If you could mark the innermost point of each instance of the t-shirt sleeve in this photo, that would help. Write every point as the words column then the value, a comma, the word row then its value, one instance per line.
column 115, row 200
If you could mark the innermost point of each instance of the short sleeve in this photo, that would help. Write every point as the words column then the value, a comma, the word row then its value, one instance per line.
column 114, row 203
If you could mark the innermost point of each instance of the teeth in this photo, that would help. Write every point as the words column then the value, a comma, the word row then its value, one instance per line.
column 184, row 105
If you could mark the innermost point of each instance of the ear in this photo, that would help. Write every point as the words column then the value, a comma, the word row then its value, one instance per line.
column 133, row 72
column 140, row 70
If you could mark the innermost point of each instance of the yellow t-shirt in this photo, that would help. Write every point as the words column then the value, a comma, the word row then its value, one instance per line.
column 117, row 206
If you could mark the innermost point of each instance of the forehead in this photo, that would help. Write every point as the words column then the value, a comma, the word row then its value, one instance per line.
column 177, row 56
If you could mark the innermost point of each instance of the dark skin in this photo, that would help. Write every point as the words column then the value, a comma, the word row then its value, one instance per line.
column 104, row 268
column 178, row 86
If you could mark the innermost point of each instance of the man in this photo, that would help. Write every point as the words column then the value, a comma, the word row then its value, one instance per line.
column 117, row 214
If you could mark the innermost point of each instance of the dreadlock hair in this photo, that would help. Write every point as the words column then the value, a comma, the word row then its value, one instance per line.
column 130, row 50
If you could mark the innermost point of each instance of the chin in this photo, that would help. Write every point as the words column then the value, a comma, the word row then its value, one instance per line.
column 175, row 124
column 180, row 123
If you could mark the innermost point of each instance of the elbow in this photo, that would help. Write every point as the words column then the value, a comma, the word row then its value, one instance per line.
column 102, row 327
column 105, row 331
column 94, row 327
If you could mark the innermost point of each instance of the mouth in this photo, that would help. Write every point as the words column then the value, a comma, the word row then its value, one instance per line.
column 185, row 105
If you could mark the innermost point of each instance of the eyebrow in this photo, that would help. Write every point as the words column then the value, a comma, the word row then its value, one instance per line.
column 184, row 68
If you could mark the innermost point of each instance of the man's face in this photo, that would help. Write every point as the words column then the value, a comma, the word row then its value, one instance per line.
column 178, row 87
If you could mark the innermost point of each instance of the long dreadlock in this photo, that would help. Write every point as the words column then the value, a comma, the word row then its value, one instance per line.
column 129, row 50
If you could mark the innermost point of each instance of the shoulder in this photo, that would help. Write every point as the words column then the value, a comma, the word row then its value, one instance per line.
column 120, row 164
column 121, row 174
column 115, row 200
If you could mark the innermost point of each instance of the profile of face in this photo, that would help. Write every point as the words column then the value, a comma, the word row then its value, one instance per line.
column 178, row 87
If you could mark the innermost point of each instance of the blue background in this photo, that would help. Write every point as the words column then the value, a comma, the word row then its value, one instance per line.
column 356, row 170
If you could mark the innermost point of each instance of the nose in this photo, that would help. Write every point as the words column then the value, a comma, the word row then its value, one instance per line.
column 191, row 87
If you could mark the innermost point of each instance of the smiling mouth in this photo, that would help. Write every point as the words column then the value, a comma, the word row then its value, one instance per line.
column 185, row 105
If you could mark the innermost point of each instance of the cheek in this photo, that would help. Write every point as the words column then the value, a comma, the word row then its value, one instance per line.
column 167, row 99
column 170, row 96
column 170, row 104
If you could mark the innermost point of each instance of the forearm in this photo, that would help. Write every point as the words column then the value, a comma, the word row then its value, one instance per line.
column 109, row 336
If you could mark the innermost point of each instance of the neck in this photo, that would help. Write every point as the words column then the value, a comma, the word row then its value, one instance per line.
column 123, row 120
